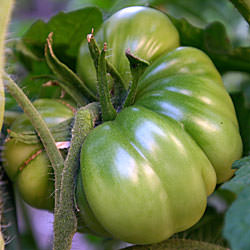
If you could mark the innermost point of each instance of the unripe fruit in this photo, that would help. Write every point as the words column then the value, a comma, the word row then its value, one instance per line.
column 27, row 165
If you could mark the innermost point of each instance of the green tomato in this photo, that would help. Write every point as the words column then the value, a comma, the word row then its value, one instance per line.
column 148, row 33
column 147, row 174
column 27, row 165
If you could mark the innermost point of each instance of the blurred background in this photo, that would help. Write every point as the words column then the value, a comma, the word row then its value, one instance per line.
column 197, row 12
column 35, row 225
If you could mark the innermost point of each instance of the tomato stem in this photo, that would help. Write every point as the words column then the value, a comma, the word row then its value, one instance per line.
column 119, row 84
column 65, row 223
column 42, row 130
column 108, row 110
column 137, row 67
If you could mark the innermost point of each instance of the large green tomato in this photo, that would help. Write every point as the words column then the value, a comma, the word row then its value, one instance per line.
column 147, row 174
column 146, row 32
column 27, row 165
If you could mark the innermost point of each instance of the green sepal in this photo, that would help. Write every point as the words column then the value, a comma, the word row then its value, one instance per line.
column 137, row 67
column 68, row 80
column 108, row 111
column 119, row 85
column 173, row 244
column 61, row 132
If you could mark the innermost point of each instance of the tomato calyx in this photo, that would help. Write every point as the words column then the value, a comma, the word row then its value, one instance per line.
column 108, row 110
column 112, row 101
column 137, row 67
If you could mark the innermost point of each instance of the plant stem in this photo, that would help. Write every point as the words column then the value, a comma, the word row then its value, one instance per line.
column 137, row 67
column 108, row 111
column 243, row 7
column 119, row 85
column 65, row 224
column 42, row 130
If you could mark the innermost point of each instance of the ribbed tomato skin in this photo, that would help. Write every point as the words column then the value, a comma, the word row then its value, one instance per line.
column 147, row 174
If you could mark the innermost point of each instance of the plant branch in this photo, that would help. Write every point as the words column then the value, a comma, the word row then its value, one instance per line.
column 42, row 130
column 65, row 224
column 243, row 7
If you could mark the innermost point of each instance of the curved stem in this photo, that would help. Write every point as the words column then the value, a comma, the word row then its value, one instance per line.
column 42, row 130
column 65, row 224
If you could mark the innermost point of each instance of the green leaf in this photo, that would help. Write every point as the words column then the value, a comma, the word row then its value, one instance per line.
column 241, row 103
column 237, row 220
column 242, row 162
column 208, row 229
column 68, row 80
column 69, row 30
column 242, row 177
column 214, row 41
column 120, row 4
column 111, row 5
column 177, row 244
column 76, row 4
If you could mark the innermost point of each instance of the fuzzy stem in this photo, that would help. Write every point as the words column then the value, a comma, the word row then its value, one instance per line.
column 65, row 224
column 42, row 130
column 137, row 67
column 243, row 7
column 119, row 84
column 108, row 111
